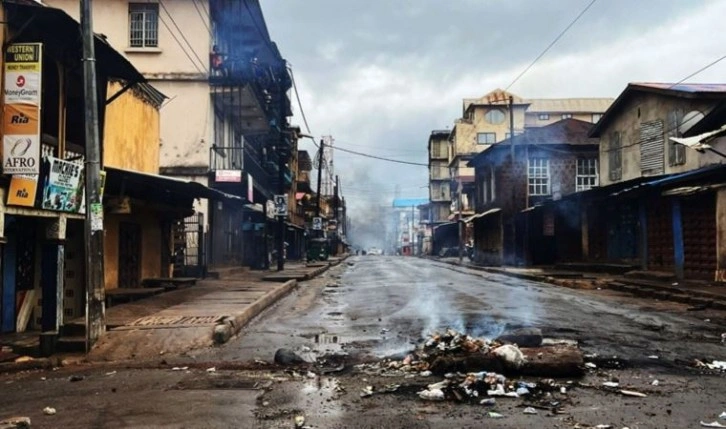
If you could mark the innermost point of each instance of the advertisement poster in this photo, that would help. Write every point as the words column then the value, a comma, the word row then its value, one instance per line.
column 21, row 111
column 23, row 189
column 63, row 187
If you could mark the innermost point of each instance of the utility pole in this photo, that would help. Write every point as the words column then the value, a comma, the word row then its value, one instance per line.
column 413, row 222
column 336, row 207
column 321, row 151
column 511, row 166
column 95, row 308
column 281, row 151
column 461, row 224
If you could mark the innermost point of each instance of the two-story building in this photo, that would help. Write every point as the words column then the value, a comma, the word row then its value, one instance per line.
column 520, row 173
column 661, row 204
column 225, row 121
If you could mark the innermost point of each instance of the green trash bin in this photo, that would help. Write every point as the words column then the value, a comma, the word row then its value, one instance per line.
column 317, row 249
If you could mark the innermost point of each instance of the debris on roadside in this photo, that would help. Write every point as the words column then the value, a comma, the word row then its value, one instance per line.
column 713, row 424
column 530, row 410
column 15, row 423
column 211, row 370
column 287, row 357
column 633, row 394
column 299, row 421
column 716, row 365
column 722, row 416
column 49, row 411
column 367, row 391
column 493, row 415
column 74, row 378
column 180, row 368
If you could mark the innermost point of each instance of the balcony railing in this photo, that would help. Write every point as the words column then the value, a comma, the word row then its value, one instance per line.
column 226, row 158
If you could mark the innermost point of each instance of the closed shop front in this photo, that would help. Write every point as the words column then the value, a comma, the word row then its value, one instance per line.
column 660, row 235
column 699, row 235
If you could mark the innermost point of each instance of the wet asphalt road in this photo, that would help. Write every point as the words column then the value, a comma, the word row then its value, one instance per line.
column 372, row 307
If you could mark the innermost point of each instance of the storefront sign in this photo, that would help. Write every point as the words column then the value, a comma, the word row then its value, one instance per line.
column 23, row 189
column 233, row 176
column 21, row 111
column 62, row 186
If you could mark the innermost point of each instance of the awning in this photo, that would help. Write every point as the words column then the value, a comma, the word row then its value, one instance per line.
column 481, row 215
column 154, row 187
column 447, row 224
column 299, row 196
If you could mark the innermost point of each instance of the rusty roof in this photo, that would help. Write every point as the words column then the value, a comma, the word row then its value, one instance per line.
column 569, row 105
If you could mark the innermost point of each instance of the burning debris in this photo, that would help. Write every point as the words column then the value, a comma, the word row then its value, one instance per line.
column 475, row 370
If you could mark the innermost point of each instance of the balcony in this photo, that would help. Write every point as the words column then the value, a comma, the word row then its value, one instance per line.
column 226, row 158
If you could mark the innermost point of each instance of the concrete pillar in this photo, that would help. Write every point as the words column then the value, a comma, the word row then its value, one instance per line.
column 721, row 235
column 679, row 256
column 643, row 235
column 585, row 227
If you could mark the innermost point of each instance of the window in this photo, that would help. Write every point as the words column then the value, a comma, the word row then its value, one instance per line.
column 543, row 116
column 586, row 177
column 486, row 138
column 143, row 25
column 596, row 117
column 615, row 156
column 495, row 116
column 566, row 115
column 538, row 175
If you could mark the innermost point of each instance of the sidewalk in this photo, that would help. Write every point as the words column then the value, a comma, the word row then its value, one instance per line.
column 210, row 312
column 639, row 283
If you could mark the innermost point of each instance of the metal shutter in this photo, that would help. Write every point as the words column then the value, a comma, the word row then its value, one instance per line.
column 652, row 147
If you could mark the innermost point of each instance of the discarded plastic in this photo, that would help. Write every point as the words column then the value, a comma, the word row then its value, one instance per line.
column 611, row 384
column 499, row 391
column 493, row 415
column 713, row 424
column 653, row 357
column 522, row 391
column 604, row 427
column 717, row 364
column 49, row 411
column 180, row 368
column 212, row 369
column 633, row 393
column 111, row 373
column 722, row 416
column 311, row 374
column 590, row 365
column 367, row 391
column 431, row 395
column 530, row 410
column 488, row 402
column 655, row 383
column 510, row 354
column 299, row 421
column 426, row 374
column 563, row 390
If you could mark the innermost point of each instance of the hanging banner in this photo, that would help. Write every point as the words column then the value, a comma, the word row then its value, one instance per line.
column 63, row 187
column 21, row 110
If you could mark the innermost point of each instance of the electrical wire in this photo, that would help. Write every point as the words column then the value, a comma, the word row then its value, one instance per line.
column 559, row 36
column 297, row 95
column 181, row 33
column 398, row 161
column 704, row 68
column 204, row 21
column 196, row 66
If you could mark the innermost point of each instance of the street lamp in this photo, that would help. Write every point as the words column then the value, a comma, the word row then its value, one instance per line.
column 699, row 143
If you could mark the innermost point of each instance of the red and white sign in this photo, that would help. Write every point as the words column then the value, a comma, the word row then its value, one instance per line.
column 232, row 176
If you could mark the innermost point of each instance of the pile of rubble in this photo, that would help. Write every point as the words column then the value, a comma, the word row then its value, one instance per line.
column 476, row 369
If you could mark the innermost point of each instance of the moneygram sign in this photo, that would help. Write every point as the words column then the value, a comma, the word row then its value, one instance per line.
column 21, row 111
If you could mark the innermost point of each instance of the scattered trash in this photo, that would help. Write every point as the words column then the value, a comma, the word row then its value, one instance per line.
column 367, row 391
column 611, row 384
column 604, row 427
column 655, row 383
column 707, row 320
column 530, row 410
column 432, row 395
column 590, row 365
column 713, row 424
column 212, row 369
column 522, row 391
column 511, row 355
column 563, row 390
column 493, row 415
column 722, row 416
column 715, row 365
column 49, row 411
column 723, row 338
column 180, row 368
column 287, row 357
column 22, row 359
column 311, row 374
column 633, row 393
column 111, row 373
column 74, row 378
column 16, row 423
column 299, row 421
column 488, row 402
column 653, row 357
column 384, row 331
column 43, row 378
column 265, row 403
column 425, row 374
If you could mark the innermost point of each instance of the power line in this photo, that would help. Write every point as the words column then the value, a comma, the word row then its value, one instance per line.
column 204, row 21
column 181, row 33
column 196, row 66
column 297, row 95
column 713, row 63
column 380, row 157
column 559, row 36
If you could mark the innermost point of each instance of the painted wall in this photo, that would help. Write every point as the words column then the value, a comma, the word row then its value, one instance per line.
column 644, row 108
column 150, row 243
column 131, row 132
column 168, row 60
column 465, row 137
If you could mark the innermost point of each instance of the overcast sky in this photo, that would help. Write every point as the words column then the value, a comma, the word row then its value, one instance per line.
column 379, row 75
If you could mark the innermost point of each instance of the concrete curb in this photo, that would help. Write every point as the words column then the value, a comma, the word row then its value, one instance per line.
column 231, row 325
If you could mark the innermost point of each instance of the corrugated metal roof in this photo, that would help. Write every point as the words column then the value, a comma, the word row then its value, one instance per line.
column 685, row 87
column 569, row 105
